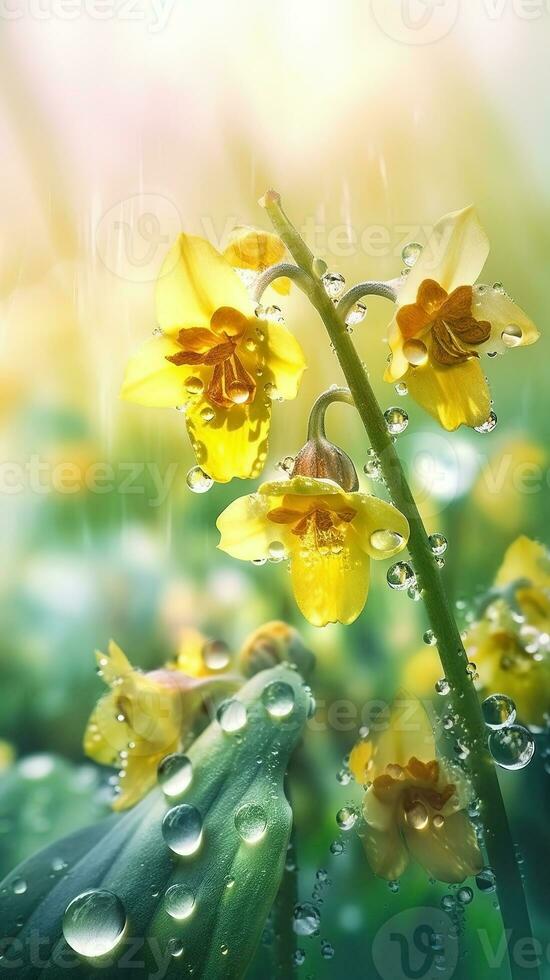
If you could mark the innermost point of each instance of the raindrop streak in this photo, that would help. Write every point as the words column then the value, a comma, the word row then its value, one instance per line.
column 411, row 253
column 179, row 901
column 251, row 822
column 397, row 420
column 182, row 829
column 512, row 747
column 401, row 576
column 278, row 699
column 174, row 774
column 498, row 711
column 94, row 922
column 488, row 425
column 198, row 481
column 306, row 920
column 232, row 715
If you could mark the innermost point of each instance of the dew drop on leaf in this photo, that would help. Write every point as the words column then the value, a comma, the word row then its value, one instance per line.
column 182, row 829
column 94, row 922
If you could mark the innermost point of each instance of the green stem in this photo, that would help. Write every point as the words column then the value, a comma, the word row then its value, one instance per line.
column 498, row 839
column 316, row 424
column 285, row 903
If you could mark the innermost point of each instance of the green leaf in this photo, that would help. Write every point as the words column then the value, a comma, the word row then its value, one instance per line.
column 234, row 880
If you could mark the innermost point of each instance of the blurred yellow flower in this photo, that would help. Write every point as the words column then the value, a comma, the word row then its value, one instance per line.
column 252, row 250
column 329, row 536
column 142, row 719
column 505, row 487
column 444, row 322
column 215, row 358
column 510, row 644
column 414, row 806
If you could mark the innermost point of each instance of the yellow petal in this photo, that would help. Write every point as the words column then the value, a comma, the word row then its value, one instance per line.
column 449, row 853
column 454, row 396
column 114, row 665
column 383, row 531
column 360, row 756
column 252, row 248
column 281, row 286
column 194, row 282
column 302, row 486
column 510, row 326
column 330, row 588
column 234, row 442
column 525, row 559
column 105, row 736
column 454, row 255
column 152, row 380
column 140, row 775
column 421, row 672
column 383, row 842
column 404, row 732
column 284, row 359
column 190, row 658
column 246, row 532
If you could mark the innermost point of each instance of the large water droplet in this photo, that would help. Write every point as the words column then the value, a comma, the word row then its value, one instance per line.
column 306, row 919
column 401, row 576
column 179, row 901
column 356, row 314
column 512, row 747
column 498, row 711
column 346, row 818
column 397, row 420
column 174, row 774
column 194, row 384
column 334, row 284
column 215, row 655
column 198, row 481
column 276, row 551
column 488, row 425
column 182, row 829
column 19, row 886
column 94, row 922
column 385, row 540
column 442, row 686
column 415, row 352
column 438, row 543
column 417, row 816
column 411, row 253
column 232, row 715
column 251, row 822
column 486, row 880
column 512, row 335
column 278, row 699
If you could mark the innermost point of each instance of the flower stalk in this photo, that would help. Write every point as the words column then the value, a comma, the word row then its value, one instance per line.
column 498, row 839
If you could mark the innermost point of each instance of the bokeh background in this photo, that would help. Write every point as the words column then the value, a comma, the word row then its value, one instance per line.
column 122, row 124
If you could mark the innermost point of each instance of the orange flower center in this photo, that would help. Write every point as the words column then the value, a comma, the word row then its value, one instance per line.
column 320, row 526
column 449, row 321
column 420, row 799
column 229, row 383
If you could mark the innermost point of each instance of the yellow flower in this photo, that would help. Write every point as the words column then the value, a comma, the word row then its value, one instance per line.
column 329, row 536
column 142, row 719
column 444, row 322
column 414, row 806
column 216, row 358
column 510, row 644
column 250, row 249
column 503, row 489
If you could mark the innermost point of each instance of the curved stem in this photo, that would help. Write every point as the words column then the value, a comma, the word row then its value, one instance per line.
column 316, row 424
column 284, row 270
column 498, row 839
column 372, row 287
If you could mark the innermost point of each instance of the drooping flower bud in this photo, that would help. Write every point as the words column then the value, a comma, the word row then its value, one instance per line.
column 320, row 458
column 272, row 644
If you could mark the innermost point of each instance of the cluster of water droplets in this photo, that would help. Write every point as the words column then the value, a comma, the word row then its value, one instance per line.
column 511, row 745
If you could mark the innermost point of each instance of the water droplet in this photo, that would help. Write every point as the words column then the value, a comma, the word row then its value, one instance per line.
column 442, row 686
column 215, row 655
column 512, row 335
column 334, row 284
column 356, row 314
column 182, row 829
column 194, row 385
column 417, row 816
column 327, row 951
column 430, row 638
column 346, row 818
column 207, row 414
column 175, row 947
column 438, row 543
column 498, row 711
column 512, row 747
column 411, row 253
column 465, row 895
column 488, row 425
column 306, row 919
column 94, row 922
column 232, row 715
column 400, row 576
column 179, row 901
column 486, row 880
column 438, row 821
column 198, row 481
column 299, row 957
column 401, row 388
column 415, row 352
column 251, row 822
column 274, row 313
column 272, row 392
column 174, row 774
column 19, row 886
column 224, row 949
column 337, row 847
column 278, row 699
column 397, row 420
column 157, row 331
column 276, row 551
column 343, row 776
column 372, row 467
column 386, row 540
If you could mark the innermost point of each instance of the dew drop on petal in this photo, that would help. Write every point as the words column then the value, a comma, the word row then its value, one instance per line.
column 278, row 699
column 194, row 385
column 179, row 901
column 174, row 774
column 415, row 352
column 512, row 747
column 488, row 425
column 198, row 481
column 232, row 715
column 417, row 816
column 182, row 829
column 385, row 540
column 276, row 551
column 498, row 711
column 512, row 335
column 94, row 922
column 251, row 822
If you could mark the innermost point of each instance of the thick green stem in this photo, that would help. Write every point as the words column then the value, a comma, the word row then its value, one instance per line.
column 498, row 839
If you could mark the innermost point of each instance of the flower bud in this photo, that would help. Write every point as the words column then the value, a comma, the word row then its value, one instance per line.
column 322, row 459
column 272, row 644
